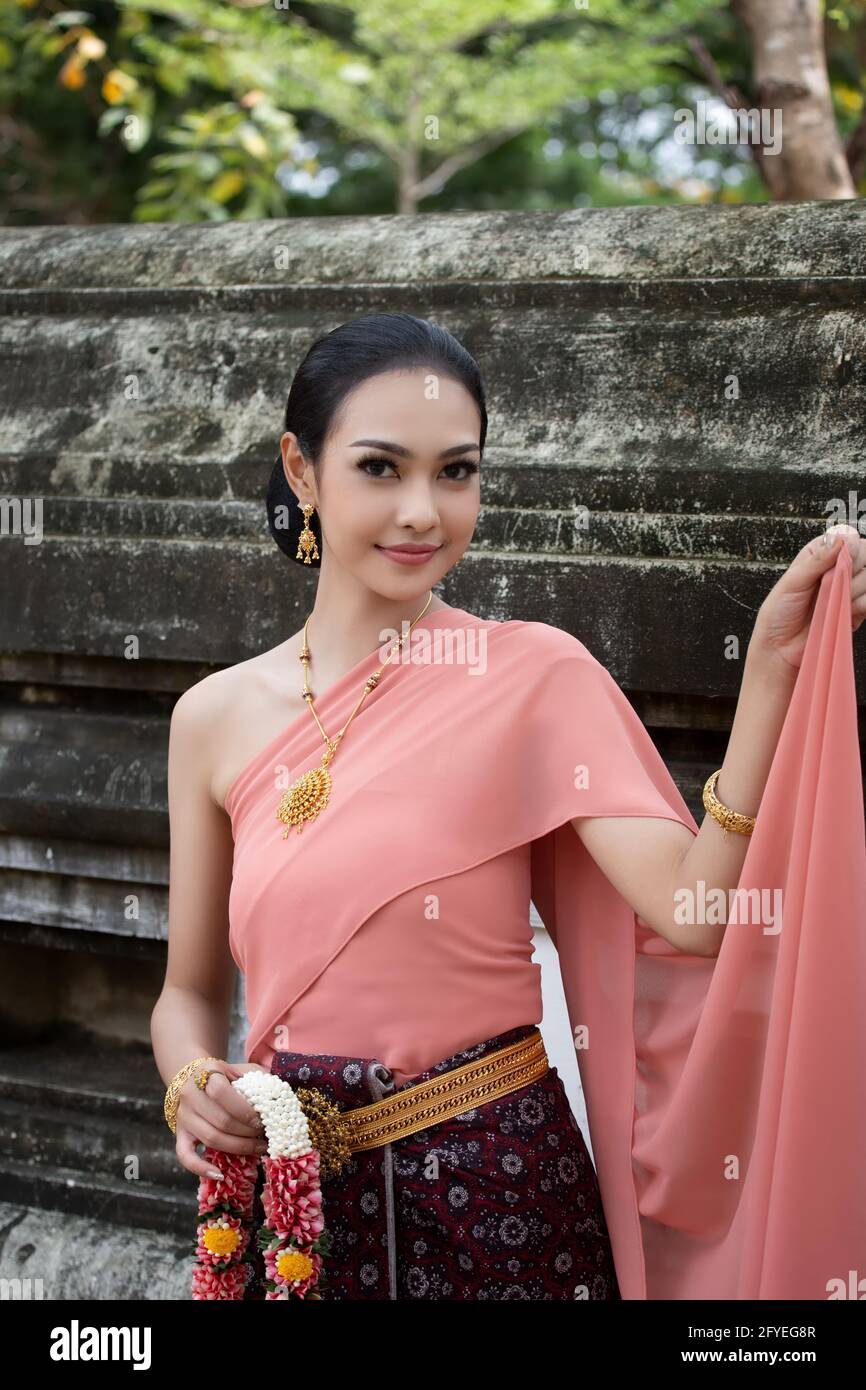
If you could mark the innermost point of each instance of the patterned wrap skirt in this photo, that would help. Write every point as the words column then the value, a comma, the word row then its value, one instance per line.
column 499, row 1202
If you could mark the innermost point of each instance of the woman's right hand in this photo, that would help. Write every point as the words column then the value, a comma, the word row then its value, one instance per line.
column 218, row 1117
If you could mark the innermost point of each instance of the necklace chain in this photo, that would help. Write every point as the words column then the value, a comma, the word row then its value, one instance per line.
column 309, row 794
column 370, row 683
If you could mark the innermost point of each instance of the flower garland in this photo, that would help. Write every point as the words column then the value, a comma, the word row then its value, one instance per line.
column 293, row 1238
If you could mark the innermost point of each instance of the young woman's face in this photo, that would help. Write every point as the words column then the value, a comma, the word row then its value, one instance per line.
column 400, row 468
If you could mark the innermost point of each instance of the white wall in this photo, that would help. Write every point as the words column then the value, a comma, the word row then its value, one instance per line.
column 555, row 1027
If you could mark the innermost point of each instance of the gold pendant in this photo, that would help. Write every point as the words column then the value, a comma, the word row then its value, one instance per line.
column 304, row 799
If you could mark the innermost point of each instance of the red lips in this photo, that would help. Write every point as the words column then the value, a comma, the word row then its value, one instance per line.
column 410, row 549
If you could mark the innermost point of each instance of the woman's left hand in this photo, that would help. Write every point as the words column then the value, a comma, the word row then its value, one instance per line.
column 782, row 624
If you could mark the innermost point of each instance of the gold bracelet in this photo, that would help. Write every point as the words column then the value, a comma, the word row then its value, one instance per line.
column 730, row 820
column 172, row 1094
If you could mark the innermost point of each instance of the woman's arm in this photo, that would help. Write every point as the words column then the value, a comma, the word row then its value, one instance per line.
column 191, row 1016
column 650, row 860
column 657, row 864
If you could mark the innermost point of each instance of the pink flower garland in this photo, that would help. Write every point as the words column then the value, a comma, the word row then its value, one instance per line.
column 226, row 1206
column 293, row 1237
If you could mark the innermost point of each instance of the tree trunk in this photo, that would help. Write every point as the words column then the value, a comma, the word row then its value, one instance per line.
column 407, row 201
column 410, row 162
column 789, row 67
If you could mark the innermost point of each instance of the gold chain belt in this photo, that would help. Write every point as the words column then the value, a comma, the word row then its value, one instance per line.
column 339, row 1133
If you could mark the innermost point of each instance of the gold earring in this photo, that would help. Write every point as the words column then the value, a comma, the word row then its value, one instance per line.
column 307, row 538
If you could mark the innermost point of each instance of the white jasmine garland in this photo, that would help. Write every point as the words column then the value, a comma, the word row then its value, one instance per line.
column 286, row 1128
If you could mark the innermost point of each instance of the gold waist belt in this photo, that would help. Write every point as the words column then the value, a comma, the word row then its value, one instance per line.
column 339, row 1133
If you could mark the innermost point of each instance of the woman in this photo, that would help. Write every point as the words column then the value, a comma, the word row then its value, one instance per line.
column 364, row 848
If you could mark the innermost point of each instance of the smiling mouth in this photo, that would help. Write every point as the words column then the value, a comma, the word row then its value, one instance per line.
column 411, row 549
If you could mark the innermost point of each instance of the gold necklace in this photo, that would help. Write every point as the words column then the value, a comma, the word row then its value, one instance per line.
column 309, row 794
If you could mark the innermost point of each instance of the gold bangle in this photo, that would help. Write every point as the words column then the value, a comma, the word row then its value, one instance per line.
column 728, row 819
column 172, row 1094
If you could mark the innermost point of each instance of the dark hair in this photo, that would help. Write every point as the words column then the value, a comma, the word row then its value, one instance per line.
column 337, row 363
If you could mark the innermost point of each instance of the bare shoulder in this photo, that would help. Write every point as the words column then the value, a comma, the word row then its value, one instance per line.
column 223, row 715
column 201, row 707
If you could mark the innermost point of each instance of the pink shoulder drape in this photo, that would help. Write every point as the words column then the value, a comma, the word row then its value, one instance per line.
column 726, row 1096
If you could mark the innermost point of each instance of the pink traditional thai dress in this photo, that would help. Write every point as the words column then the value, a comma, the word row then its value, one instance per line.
column 390, row 941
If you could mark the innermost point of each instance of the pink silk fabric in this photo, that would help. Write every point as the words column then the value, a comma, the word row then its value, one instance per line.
column 725, row 1096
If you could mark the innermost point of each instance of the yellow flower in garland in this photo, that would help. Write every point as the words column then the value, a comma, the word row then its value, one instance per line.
column 220, row 1240
column 292, row 1264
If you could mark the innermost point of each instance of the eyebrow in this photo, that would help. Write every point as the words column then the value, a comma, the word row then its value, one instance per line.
column 407, row 453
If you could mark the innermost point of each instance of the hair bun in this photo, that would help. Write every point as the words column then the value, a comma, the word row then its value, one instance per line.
column 286, row 519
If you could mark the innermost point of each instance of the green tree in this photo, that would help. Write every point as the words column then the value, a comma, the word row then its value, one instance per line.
column 208, row 93
column 194, row 110
column 432, row 87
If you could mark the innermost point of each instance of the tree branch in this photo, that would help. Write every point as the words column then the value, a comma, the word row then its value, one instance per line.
column 432, row 182
column 726, row 91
